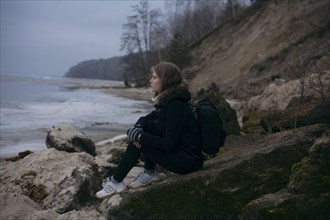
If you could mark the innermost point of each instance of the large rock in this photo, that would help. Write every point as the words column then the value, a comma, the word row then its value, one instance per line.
column 319, row 114
column 277, row 97
column 234, row 184
column 69, row 139
column 308, row 193
column 276, row 175
column 49, row 179
column 311, row 111
column 294, row 104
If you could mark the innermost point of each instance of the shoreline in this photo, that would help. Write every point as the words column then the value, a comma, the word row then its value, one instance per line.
column 143, row 94
column 98, row 132
column 113, row 87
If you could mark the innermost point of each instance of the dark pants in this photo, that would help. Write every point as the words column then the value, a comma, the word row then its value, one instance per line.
column 176, row 162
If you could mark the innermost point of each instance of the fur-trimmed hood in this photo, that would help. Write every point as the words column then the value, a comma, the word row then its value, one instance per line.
column 178, row 92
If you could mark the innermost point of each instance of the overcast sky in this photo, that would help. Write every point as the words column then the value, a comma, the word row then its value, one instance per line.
column 48, row 37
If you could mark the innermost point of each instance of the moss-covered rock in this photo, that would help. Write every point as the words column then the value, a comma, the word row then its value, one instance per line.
column 252, row 124
column 308, row 192
column 299, row 112
column 245, row 189
column 220, row 196
column 312, row 174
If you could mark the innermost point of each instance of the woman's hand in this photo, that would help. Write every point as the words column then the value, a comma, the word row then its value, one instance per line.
column 137, row 145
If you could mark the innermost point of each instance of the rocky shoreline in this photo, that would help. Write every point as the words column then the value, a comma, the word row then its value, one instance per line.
column 144, row 94
column 258, row 174
column 269, row 171
column 32, row 182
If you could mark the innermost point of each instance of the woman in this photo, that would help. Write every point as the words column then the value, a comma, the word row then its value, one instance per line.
column 168, row 136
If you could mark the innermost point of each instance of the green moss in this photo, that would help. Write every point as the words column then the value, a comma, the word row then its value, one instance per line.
column 221, row 196
column 296, row 167
column 283, row 120
column 286, row 210
column 312, row 177
column 296, row 207
column 210, row 156
column 250, row 120
column 326, row 180
column 181, row 201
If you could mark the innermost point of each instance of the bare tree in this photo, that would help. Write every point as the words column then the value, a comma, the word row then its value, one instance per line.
column 137, row 38
column 232, row 4
column 146, row 38
column 193, row 19
column 311, row 83
column 158, row 35
column 188, row 22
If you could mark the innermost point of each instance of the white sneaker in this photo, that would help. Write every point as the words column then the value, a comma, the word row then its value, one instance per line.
column 145, row 179
column 110, row 188
column 106, row 180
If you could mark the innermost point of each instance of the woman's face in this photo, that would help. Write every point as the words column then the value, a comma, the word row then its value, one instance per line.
column 155, row 82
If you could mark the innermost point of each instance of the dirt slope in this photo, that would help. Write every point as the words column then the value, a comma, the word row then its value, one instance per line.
column 271, row 39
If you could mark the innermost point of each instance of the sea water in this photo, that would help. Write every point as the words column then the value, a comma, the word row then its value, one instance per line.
column 30, row 106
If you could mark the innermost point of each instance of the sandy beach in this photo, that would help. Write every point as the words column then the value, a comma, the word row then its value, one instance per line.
column 131, row 93
column 143, row 93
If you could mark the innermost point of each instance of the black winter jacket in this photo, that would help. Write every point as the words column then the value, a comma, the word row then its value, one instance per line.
column 172, row 126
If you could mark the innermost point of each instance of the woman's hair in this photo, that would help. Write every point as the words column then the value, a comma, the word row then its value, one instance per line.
column 169, row 74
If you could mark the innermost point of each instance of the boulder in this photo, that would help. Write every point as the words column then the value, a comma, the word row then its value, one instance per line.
column 69, row 139
column 84, row 214
column 49, row 179
column 250, row 168
column 300, row 111
column 315, row 165
column 279, row 175
column 247, row 181
column 311, row 111
column 307, row 195
column 20, row 155
column 252, row 124
column 319, row 114
column 285, row 106
column 277, row 97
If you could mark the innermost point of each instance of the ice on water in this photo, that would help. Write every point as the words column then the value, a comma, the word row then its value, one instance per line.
column 30, row 107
